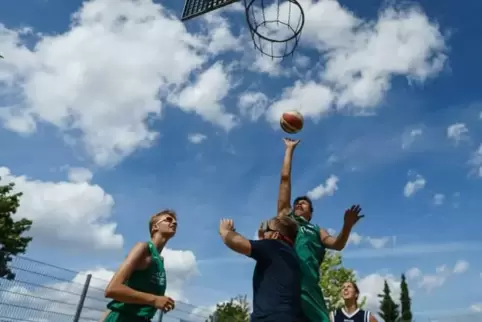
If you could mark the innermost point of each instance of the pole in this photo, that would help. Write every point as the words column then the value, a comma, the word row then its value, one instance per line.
column 82, row 298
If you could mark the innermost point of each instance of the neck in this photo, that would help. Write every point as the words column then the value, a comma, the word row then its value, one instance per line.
column 350, row 306
column 159, row 241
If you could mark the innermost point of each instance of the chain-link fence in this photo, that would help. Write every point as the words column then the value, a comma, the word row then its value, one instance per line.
column 45, row 293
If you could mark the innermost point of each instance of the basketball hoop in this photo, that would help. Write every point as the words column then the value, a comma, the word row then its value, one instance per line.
column 276, row 26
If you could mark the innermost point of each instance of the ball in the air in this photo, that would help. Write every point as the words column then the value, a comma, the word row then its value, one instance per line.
column 291, row 122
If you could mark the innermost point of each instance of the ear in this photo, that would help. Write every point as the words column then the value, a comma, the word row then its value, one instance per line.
column 276, row 235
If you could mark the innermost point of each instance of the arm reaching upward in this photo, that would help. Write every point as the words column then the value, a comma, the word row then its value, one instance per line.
column 232, row 239
column 352, row 216
column 284, row 197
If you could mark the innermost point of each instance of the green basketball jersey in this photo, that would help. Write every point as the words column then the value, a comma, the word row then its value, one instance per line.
column 311, row 252
column 150, row 280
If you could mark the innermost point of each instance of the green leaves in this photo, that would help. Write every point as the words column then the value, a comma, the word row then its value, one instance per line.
column 236, row 310
column 12, row 241
column 333, row 275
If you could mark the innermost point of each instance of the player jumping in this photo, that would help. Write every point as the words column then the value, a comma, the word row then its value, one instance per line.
column 311, row 241
column 351, row 311
column 138, row 286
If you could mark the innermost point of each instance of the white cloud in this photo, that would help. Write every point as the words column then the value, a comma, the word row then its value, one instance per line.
column 408, row 138
column 461, row 267
column 310, row 99
column 457, row 132
column 378, row 242
column 355, row 238
column 438, row 199
column 414, row 185
column 326, row 189
column 413, row 273
column 363, row 57
column 108, row 74
column 76, row 214
column 79, row 175
column 252, row 104
column 205, row 95
column 476, row 161
column 430, row 282
column 196, row 138
column 372, row 285
column 476, row 307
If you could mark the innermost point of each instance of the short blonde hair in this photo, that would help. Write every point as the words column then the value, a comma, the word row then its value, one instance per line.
column 155, row 217
column 285, row 226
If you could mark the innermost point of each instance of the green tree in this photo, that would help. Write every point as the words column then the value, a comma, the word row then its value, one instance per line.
column 333, row 275
column 12, row 241
column 388, row 308
column 405, row 301
column 235, row 310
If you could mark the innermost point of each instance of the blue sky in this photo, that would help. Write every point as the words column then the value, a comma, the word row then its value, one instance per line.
column 425, row 125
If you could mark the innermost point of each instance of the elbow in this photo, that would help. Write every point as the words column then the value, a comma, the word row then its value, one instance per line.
column 111, row 292
column 285, row 177
column 338, row 246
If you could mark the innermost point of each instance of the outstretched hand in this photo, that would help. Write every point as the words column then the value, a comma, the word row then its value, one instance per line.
column 290, row 143
column 352, row 215
column 226, row 225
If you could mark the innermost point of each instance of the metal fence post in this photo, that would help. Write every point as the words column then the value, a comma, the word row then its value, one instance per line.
column 82, row 298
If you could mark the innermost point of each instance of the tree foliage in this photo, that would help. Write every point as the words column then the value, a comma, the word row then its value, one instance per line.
column 12, row 241
column 235, row 310
column 405, row 301
column 333, row 275
column 388, row 308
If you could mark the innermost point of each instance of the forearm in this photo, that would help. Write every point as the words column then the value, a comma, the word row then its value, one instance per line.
column 284, row 198
column 342, row 237
column 236, row 242
column 125, row 294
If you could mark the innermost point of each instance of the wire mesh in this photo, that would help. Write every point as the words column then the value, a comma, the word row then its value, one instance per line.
column 45, row 293
column 42, row 292
column 275, row 26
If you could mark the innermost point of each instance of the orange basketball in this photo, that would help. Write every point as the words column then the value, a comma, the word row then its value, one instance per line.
column 291, row 122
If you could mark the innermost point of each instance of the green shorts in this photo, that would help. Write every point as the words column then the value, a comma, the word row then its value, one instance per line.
column 124, row 317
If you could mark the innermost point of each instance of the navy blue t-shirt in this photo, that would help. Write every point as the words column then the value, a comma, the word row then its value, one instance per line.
column 276, row 282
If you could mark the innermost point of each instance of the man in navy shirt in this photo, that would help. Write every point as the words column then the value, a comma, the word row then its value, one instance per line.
column 277, row 275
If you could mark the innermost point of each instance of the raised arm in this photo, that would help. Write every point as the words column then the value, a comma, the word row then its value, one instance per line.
column 352, row 215
column 232, row 239
column 284, row 197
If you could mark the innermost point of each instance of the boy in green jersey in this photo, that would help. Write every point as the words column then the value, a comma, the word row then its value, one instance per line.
column 137, row 288
column 312, row 240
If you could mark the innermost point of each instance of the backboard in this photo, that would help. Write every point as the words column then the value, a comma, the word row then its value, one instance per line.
column 194, row 8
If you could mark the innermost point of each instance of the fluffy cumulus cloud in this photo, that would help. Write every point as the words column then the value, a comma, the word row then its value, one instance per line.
column 431, row 281
column 80, row 175
column 372, row 285
column 457, row 132
column 107, row 74
column 362, row 57
column 328, row 188
column 75, row 213
column 413, row 186
column 196, row 138
column 56, row 299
